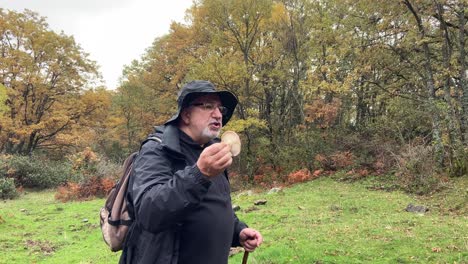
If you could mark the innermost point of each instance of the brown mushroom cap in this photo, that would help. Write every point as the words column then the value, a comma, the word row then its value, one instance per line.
column 232, row 139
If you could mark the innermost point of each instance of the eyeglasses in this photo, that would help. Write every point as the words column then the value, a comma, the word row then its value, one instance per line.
column 211, row 107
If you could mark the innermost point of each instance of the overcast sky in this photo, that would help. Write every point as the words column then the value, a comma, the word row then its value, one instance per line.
column 113, row 32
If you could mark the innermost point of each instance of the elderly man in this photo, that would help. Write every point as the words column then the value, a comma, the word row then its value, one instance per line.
column 180, row 190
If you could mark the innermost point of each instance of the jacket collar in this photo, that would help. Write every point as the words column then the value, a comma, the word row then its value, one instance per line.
column 169, row 134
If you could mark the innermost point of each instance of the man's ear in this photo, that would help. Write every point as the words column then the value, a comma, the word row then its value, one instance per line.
column 185, row 116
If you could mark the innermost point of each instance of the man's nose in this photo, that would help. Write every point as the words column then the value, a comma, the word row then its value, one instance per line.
column 217, row 113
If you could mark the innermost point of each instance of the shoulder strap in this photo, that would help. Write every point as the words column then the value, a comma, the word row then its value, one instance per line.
column 130, row 183
column 153, row 138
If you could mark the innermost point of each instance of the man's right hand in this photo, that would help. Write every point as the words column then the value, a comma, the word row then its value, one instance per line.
column 215, row 159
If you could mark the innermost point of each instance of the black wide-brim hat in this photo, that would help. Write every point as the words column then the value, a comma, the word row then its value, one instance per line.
column 194, row 89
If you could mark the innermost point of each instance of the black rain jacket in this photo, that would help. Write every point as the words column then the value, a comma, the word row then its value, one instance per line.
column 162, row 190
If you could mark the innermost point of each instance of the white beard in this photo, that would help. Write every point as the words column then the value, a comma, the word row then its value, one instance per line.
column 209, row 134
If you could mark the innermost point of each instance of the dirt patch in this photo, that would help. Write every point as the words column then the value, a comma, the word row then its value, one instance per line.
column 235, row 250
column 44, row 247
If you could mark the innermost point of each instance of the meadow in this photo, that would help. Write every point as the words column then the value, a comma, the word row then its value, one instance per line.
column 321, row 221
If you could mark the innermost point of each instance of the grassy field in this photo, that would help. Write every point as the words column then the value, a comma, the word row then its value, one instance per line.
column 322, row 221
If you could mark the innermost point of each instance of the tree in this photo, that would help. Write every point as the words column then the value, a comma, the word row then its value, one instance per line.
column 44, row 73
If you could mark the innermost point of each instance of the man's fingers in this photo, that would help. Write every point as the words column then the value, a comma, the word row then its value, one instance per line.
column 259, row 238
column 250, row 245
column 214, row 159
column 214, row 149
column 224, row 160
column 221, row 150
column 251, row 239
column 223, row 157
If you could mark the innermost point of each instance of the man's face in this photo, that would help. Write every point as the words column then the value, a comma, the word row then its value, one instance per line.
column 204, row 118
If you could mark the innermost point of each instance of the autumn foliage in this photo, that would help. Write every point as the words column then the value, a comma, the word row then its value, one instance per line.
column 336, row 161
column 321, row 113
column 91, row 188
column 93, row 183
column 299, row 176
column 322, row 86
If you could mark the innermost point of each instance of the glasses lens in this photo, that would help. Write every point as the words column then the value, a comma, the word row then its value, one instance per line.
column 223, row 110
column 212, row 107
column 209, row 106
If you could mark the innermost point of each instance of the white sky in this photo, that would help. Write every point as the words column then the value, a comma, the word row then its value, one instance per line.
column 113, row 32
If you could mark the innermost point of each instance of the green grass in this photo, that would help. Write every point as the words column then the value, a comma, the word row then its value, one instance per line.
column 325, row 221
column 39, row 229
column 322, row 221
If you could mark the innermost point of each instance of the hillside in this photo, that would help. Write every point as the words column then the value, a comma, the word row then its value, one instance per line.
column 321, row 221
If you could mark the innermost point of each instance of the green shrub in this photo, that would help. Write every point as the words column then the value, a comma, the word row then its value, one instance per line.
column 108, row 169
column 459, row 164
column 7, row 188
column 32, row 172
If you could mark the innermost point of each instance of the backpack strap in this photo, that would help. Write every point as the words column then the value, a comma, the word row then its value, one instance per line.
column 153, row 138
column 131, row 209
column 120, row 222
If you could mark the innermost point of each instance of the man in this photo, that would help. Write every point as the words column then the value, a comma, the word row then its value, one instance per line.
column 180, row 190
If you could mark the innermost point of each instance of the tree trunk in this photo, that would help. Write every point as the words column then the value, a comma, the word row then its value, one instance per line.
column 463, row 81
column 451, row 116
column 429, row 76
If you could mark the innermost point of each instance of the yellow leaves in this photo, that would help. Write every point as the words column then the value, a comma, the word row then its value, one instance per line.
column 44, row 73
column 240, row 125
column 84, row 160
column 330, row 86
column 3, row 98
column 67, row 139
column 38, row 126
column 279, row 14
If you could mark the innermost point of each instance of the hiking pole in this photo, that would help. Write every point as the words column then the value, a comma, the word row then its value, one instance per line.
column 246, row 256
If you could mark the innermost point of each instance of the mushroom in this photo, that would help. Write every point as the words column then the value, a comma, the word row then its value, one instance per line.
column 232, row 139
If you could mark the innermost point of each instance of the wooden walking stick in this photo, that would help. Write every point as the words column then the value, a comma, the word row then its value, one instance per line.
column 246, row 256
column 232, row 139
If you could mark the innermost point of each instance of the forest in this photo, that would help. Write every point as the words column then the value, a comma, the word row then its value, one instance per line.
column 362, row 87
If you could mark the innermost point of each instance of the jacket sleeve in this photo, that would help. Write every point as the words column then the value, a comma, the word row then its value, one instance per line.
column 238, row 226
column 161, row 196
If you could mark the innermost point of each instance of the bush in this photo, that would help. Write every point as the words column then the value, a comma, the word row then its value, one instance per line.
column 7, row 189
column 108, row 169
column 89, row 188
column 85, row 161
column 417, row 170
column 459, row 164
column 32, row 172
column 299, row 176
column 337, row 161
column 98, row 176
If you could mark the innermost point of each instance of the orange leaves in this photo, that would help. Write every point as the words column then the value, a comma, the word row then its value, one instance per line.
column 303, row 175
column 322, row 114
column 92, row 187
column 336, row 161
column 68, row 192
column 299, row 176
